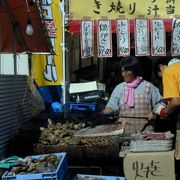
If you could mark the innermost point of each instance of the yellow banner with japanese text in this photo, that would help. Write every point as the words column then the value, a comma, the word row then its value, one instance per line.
column 48, row 69
column 97, row 9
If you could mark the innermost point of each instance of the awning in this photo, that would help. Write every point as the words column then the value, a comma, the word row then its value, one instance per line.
column 14, row 15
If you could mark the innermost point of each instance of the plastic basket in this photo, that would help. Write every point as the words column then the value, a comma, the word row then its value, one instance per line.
column 56, row 175
column 82, row 106
column 100, row 177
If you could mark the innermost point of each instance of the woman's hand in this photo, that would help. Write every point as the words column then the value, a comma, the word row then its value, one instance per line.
column 151, row 116
column 106, row 111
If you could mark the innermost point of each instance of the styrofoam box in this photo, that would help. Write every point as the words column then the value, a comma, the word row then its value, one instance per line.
column 56, row 175
column 151, row 145
column 102, row 177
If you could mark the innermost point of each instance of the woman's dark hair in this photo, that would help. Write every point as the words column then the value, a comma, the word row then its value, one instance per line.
column 163, row 61
column 131, row 64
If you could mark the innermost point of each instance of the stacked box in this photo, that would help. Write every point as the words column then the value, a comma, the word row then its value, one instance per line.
column 58, row 174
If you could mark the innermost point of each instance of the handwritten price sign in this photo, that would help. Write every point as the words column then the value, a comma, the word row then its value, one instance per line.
column 175, row 44
column 158, row 38
column 123, row 37
column 142, row 37
column 104, row 38
column 87, row 38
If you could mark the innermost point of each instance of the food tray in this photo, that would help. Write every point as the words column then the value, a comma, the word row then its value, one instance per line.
column 82, row 176
column 151, row 145
column 152, row 141
column 58, row 174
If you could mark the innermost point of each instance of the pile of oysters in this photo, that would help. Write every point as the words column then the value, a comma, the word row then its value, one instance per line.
column 60, row 133
column 29, row 165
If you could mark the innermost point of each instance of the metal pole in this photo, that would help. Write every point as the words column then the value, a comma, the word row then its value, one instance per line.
column 14, row 49
column 64, row 84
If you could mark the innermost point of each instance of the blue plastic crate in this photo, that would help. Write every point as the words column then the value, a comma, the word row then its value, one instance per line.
column 72, row 106
column 103, row 177
column 56, row 175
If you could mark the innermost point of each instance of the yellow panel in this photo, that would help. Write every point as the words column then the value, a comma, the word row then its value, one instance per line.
column 96, row 9
column 47, row 69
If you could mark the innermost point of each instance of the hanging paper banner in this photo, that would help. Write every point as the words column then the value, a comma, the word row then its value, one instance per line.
column 123, row 37
column 104, row 38
column 175, row 44
column 158, row 38
column 87, row 38
column 47, row 69
column 142, row 37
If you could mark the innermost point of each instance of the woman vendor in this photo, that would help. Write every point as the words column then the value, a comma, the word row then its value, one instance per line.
column 137, row 101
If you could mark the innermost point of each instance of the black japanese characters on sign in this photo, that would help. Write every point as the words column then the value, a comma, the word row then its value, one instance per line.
column 175, row 44
column 116, row 7
column 87, row 38
column 104, row 38
column 50, row 73
column 146, row 170
column 123, row 37
column 158, row 47
column 153, row 9
column 142, row 37
column 98, row 6
column 170, row 6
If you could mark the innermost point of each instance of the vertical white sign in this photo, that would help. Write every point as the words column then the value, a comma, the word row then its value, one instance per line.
column 87, row 38
column 123, row 37
column 175, row 42
column 142, row 37
column 104, row 40
column 158, row 38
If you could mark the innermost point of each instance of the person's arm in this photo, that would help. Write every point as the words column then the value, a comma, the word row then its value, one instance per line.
column 159, row 106
column 156, row 102
column 172, row 105
column 107, row 111
column 114, row 101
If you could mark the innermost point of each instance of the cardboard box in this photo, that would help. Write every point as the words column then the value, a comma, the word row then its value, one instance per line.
column 86, row 87
column 82, row 87
column 149, row 165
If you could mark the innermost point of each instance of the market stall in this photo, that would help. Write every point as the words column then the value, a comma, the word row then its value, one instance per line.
column 96, row 36
column 104, row 32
